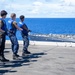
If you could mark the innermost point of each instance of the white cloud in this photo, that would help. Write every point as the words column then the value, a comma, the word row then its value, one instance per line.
column 69, row 1
column 40, row 8
column 36, row 6
column 37, row 3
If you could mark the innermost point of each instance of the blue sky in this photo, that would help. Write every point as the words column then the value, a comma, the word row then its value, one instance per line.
column 40, row 8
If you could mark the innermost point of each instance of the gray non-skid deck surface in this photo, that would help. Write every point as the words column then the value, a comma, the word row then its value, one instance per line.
column 45, row 60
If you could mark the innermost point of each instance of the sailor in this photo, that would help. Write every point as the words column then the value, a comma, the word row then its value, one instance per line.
column 3, row 31
column 24, row 34
column 12, row 28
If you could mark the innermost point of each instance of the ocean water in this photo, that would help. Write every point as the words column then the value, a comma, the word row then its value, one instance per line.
column 49, row 26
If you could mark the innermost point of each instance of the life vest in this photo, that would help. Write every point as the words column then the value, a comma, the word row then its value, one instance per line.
column 25, row 32
column 10, row 26
column 3, row 27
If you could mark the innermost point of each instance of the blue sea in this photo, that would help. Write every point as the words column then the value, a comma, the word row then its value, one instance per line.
column 49, row 26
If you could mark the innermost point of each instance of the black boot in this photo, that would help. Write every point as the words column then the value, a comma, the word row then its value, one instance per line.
column 3, row 59
column 25, row 53
column 16, row 57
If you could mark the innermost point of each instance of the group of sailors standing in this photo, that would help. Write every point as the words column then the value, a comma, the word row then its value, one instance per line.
column 10, row 30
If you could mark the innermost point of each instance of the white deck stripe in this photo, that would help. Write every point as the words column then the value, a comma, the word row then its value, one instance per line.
column 47, row 43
